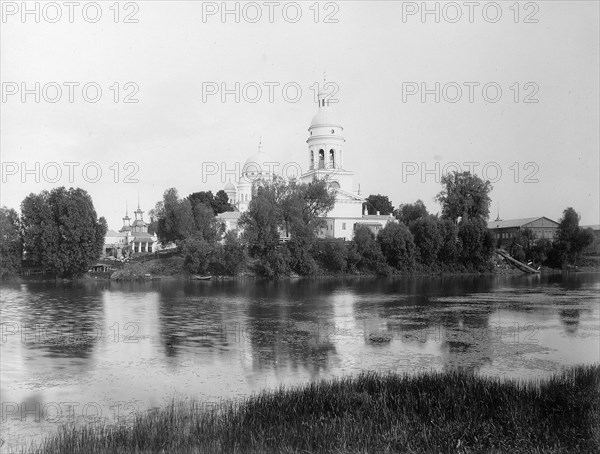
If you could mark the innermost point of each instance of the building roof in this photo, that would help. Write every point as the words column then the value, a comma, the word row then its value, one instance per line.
column 143, row 237
column 383, row 217
column 113, row 233
column 593, row 226
column 229, row 215
column 369, row 224
column 503, row 224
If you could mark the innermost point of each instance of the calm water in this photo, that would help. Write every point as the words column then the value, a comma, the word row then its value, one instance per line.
column 91, row 352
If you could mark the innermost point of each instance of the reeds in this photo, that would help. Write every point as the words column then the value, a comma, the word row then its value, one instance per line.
column 436, row 412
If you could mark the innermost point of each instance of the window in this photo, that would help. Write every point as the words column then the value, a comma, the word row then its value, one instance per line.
column 343, row 226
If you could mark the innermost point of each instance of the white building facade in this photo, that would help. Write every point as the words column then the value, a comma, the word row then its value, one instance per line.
column 132, row 238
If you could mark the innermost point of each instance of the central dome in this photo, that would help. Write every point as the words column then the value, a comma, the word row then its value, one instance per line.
column 260, row 163
column 325, row 117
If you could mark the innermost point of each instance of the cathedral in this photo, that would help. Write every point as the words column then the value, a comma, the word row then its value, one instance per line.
column 325, row 161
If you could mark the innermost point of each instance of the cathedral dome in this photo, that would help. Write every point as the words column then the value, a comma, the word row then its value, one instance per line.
column 260, row 163
column 229, row 186
column 325, row 117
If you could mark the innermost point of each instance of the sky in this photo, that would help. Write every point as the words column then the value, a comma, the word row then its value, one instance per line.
column 507, row 90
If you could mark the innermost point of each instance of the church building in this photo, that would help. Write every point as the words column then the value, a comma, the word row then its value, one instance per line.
column 131, row 238
column 325, row 161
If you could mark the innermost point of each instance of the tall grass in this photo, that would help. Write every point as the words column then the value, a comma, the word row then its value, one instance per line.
column 437, row 412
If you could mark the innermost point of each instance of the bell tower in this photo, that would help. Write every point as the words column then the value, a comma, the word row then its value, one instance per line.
column 326, row 146
column 326, row 139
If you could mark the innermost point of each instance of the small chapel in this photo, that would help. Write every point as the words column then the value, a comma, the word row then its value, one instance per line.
column 132, row 238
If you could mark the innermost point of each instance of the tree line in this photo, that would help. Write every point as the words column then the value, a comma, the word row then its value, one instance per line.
column 281, row 233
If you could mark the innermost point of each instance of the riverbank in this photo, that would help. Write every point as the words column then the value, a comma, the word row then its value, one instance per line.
column 437, row 412
column 172, row 268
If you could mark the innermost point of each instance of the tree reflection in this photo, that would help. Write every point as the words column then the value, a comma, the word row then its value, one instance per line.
column 570, row 320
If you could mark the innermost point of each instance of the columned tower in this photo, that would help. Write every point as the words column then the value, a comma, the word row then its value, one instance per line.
column 326, row 147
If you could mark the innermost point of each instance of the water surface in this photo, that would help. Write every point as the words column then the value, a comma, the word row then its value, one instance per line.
column 96, row 351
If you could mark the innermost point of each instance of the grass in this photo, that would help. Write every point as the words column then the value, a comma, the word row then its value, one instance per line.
column 171, row 266
column 437, row 412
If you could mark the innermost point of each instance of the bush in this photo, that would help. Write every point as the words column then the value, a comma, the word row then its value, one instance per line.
column 427, row 238
column 477, row 244
column 274, row 263
column 397, row 246
column 541, row 250
column 301, row 260
column 198, row 254
column 332, row 255
column 230, row 256
column 449, row 251
column 368, row 251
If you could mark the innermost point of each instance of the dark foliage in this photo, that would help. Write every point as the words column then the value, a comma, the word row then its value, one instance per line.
column 11, row 244
column 61, row 232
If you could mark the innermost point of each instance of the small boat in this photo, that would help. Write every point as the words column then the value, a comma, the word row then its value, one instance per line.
column 201, row 278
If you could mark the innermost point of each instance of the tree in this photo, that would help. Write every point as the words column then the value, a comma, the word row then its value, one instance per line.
column 397, row 245
column 232, row 254
column 570, row 240
column 11, row 244
column 198, row 254
column 175, row 218
column 294, row 209
column 477, row 244
column 541, row 250
column 379, row 203
column 205, row 223
column 464, row 196
column 260, row 223
column 368, row 250
column 521, row 246
column 61, row 232
column 153, row 224
column 332, row 254
column 221, row 203
column 450, row 249
column 427, row 238
column 218, row 203
column 410, row 212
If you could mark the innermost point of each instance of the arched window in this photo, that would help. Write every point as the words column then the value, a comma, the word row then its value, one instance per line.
column 334, row 185
column 321, row 159
column 332, row 159
column 312, row 159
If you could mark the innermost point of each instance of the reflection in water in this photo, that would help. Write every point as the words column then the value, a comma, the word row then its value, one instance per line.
column 570, row 319
column 139, row 344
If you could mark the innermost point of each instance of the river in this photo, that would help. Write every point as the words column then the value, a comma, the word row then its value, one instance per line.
column 89, row 352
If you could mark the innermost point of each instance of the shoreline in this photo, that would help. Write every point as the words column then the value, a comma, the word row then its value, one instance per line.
column 250, row 277
column 451, row 411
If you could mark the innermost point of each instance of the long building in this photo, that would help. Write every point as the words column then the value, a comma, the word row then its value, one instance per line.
column 505, row 231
